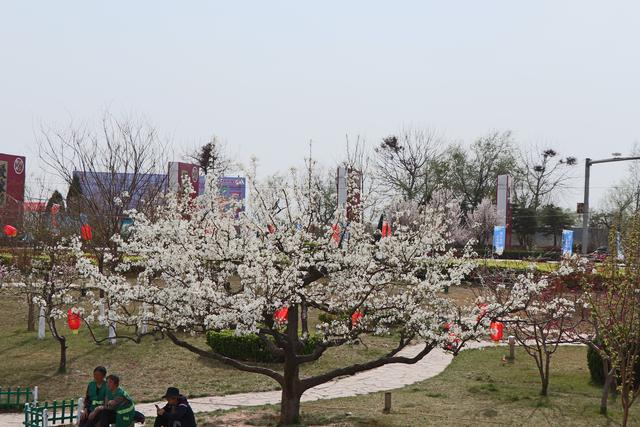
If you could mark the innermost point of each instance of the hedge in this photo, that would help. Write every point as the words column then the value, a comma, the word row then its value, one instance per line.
column 250, row 347
column 594, row 361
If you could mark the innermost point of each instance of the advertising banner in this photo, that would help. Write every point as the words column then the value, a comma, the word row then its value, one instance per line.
column 499, row 237
column 567, row 242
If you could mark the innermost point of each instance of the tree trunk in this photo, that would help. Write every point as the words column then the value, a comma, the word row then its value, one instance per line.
column 291, row 388
column 625, row 415
column 608, row 381
column 62, row 367
column 290, row 407
column 31, row 317
column 546, row 374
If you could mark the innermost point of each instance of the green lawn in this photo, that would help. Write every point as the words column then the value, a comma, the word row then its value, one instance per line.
column 477, row 389
column 146, row 369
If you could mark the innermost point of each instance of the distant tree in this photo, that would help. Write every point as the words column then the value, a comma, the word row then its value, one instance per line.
column 482, row 220
column 74, row 196
column 411, row 165
column 525, row 224
column 211, row 157
column 474, row 172
column 55, row 199
column 615, row 314
column 540, row 174
column 120, row 160
column 554, row 219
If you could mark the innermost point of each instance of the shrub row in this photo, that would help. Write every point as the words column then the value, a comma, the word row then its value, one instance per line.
column 250, row 347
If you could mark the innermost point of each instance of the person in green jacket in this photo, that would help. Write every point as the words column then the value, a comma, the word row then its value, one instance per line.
column 119, row 408
column 94, row 397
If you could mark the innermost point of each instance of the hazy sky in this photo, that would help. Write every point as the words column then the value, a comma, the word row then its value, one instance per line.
column 267, row 76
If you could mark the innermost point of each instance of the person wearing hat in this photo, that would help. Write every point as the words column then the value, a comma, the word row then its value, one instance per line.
column 177, row 412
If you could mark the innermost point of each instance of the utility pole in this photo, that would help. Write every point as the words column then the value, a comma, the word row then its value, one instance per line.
column 586, row 211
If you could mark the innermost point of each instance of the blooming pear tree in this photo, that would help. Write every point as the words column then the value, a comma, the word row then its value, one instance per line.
column 541, row 311
column 52, row 285
column 204, row 266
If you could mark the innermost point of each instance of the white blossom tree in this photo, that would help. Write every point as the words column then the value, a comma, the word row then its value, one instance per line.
column 51, row 284
column 189, row 256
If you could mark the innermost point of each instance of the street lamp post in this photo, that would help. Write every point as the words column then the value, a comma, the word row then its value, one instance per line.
column 585, row 213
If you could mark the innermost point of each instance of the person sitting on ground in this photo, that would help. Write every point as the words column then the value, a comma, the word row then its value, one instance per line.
column 94, row 397
column 177, row 412
column 119, row 408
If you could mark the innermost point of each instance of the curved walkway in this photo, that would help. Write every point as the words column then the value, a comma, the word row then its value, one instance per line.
column 386, row 377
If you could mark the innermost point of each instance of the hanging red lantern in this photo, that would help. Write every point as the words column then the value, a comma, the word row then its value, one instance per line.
column 336, row 233
column 386, row 229
column 73, row 320
column 271, row 229
column 496, row 331
column 85, row 232
column 10, row 231
column 55, row 208
column 281, row 315
column 355, row 318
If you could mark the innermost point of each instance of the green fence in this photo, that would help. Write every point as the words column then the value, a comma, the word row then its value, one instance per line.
column 17, row 397
column 47, row 414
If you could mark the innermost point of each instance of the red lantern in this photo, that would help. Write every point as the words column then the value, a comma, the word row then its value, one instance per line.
column 281, row 315
column 55, row 208
column 10, row 231
column 85, row 232
column 271, row 229
column 336, row 233
column 355, row 318
column 73, row 320
column 386, row 229
column 496, row 331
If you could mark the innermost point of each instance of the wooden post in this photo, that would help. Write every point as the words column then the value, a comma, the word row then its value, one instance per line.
column 512, row 348
column 387, row 402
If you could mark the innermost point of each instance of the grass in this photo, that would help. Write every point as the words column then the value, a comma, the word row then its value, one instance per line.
column 146, row 369
column 515, row 264
column 477, row 389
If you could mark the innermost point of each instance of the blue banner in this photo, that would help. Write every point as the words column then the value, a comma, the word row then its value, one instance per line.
column 567, row 242
column 499, row 238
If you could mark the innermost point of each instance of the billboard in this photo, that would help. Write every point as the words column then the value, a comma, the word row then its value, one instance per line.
column 12, row 183
column 98, row 186
column 178, row 171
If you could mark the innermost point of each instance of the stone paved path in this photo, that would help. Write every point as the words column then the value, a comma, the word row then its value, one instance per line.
column 386, row 377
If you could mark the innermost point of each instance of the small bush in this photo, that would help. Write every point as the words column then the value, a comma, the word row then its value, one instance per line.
column 594, row 361
column 328, row 318
column 249, row 347
column 596, row 371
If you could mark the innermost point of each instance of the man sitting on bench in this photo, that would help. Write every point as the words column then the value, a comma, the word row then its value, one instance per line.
column 177, row 412
column 120, row 407
column 96, row 393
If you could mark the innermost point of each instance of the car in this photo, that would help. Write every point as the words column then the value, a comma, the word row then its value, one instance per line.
column 599, row 255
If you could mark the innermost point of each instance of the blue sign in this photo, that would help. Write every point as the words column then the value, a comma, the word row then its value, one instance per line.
column 567, row 242
column 499, row 238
